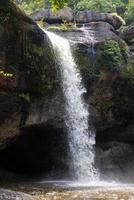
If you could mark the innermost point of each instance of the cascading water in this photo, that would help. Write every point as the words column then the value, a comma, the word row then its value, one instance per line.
column 89, row 36
column 81, row 138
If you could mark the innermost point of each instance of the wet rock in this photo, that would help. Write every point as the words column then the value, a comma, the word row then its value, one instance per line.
column 118, row 133
column 95, row 32
column 11, row 195
column 115, row 161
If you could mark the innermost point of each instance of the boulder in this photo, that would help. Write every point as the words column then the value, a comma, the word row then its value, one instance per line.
column 92, row 16
column 11, row 195
column 93, row 32
column 39, row 14
column 50, row 17
column 127, row 33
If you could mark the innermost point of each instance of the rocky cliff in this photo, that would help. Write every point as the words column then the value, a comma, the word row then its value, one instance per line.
column 26, row 67
column 32, row 104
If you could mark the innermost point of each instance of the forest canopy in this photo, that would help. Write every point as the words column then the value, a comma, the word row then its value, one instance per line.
column 124, row 8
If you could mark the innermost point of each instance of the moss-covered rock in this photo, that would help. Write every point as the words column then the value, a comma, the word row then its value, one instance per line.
column 123, row 98
column 106, row 70
column 25, row 47
column 26, row 66
column 109, row 56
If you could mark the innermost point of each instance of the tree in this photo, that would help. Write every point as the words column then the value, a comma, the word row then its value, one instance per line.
column 57, row 4
column 97, row 5
column 125, row 8
column 31, row 5
column 129, row 14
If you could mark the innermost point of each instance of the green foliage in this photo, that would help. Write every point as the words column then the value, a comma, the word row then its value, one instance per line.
column 5, row 74
column 11, row 14
column 25, row 96
column 62, row 27
column 129, row 13
column 124, row 52
column 125, row 8
column 30, row 6
column 97, row 5
column 57, row 4
column 109, row 56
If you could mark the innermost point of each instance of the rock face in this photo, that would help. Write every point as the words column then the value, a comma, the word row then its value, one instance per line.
column 127, row 33
column 11, row 195
column 91, row 16
column 131, row 48
column 81, row 17
column 114, row 161
column 53, row 17
column 30, row 90
column 92, row 32
column 24, row 46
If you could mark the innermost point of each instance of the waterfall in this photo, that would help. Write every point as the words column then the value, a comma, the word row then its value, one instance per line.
column 81, row 137
column 89, row 37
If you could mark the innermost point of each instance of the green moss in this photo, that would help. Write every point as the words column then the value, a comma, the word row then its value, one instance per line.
column 37, row 49
column 109, row 56
column 40, row 70
column 25, row 96
column 119, row 18
column 57, row 28
column 2, row 146
column 124, row 49
column 106, row 105
column 40, row 23
column 85, row 60
column 11, row 15
column 62, row 27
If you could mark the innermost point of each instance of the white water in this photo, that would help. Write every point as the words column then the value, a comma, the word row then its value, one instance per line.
column 89, row 36
column 81, row 138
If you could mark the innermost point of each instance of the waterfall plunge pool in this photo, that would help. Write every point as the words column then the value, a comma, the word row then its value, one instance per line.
column 67, row 190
